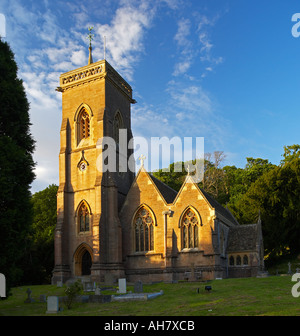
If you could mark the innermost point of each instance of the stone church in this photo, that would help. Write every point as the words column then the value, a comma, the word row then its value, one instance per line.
column 114, row 225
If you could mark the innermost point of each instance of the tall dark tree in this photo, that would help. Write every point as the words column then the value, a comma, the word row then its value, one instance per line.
column 16, row 167
column 39, row 259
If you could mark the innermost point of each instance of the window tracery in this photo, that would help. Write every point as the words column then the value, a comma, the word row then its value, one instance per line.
column 84, row 125
column 190, row 229
column 144, row 230
column 83, row 218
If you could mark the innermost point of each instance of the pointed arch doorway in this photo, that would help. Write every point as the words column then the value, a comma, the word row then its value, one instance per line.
column 86, row 263
column 83, row 260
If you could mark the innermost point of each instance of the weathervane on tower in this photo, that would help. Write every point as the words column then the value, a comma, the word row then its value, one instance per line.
column 90, row 37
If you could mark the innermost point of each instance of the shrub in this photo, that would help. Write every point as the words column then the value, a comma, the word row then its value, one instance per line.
column 72, row 291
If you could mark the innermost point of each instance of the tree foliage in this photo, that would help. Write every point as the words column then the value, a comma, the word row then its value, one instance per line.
column 39, row 259
column 260, row 188
column 16, row 167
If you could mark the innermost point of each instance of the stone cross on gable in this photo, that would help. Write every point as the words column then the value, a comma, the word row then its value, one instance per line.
column 142, row 158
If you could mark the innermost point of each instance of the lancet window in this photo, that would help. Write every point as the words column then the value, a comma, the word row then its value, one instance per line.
column 84, row 124
column 83, row 218
column 190, row 229
column 144, row 230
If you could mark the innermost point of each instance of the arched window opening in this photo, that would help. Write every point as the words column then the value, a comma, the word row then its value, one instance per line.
column 117, row 125
column 144, row 232
column 245, row 260
column 83, row 218
column 190, row 230
column 84, row 124
column 238, row 260
column 231, row 261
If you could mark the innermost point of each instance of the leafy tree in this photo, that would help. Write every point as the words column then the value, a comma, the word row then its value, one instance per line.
column 290, row 153
column 214, row 177
column 16, row 167
column 38, row 261
column 170, row 177
column 276, row 195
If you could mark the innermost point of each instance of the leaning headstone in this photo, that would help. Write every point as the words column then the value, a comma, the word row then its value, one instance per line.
column 138, row 287
column 97, row 291
column 122, row 286
column 29, row 298
column 52, row 304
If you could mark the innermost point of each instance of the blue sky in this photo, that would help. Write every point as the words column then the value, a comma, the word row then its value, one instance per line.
column 227, row 71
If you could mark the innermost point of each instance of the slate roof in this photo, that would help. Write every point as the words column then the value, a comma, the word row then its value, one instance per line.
column 242, row 238
column 219, row 208
column 167, row 192
column 170, row 194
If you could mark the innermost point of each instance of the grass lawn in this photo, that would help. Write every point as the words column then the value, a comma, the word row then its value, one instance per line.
column 229, row 297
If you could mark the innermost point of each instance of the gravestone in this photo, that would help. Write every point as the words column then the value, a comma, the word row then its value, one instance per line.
column 97, row 291
column 88, row 286
column 192, row 278
column 43, row 298
column 59, row 283
column 290, row 270
column 138, row 287
column 52, row 304
column 29, row 298
column 122, row 286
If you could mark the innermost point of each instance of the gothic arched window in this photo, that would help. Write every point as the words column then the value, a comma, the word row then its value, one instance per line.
column 190, row 229
column 238, row 260
column 143, row 226
column 231, row 261
column 245, row 260
column 84, row 124
column 117, row 125
column 83, row 218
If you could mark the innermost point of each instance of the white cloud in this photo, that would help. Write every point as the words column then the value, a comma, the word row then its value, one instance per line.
column 183, row 32
column 125, row 34
column 193, row 40
column 79, row 57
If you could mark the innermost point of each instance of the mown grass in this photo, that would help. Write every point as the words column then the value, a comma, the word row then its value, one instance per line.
column 229, row 297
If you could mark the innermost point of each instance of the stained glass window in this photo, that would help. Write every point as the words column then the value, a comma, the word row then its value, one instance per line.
column 144, row 232
column 84, row 218
column 190, row 230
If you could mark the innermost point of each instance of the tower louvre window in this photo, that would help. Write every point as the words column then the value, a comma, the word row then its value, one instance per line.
column 117, row 125
column 84, row 125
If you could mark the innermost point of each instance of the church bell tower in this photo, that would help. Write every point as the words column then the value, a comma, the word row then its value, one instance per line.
column 96, row 103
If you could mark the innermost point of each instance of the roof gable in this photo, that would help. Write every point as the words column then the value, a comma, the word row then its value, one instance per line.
column 167, row 192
